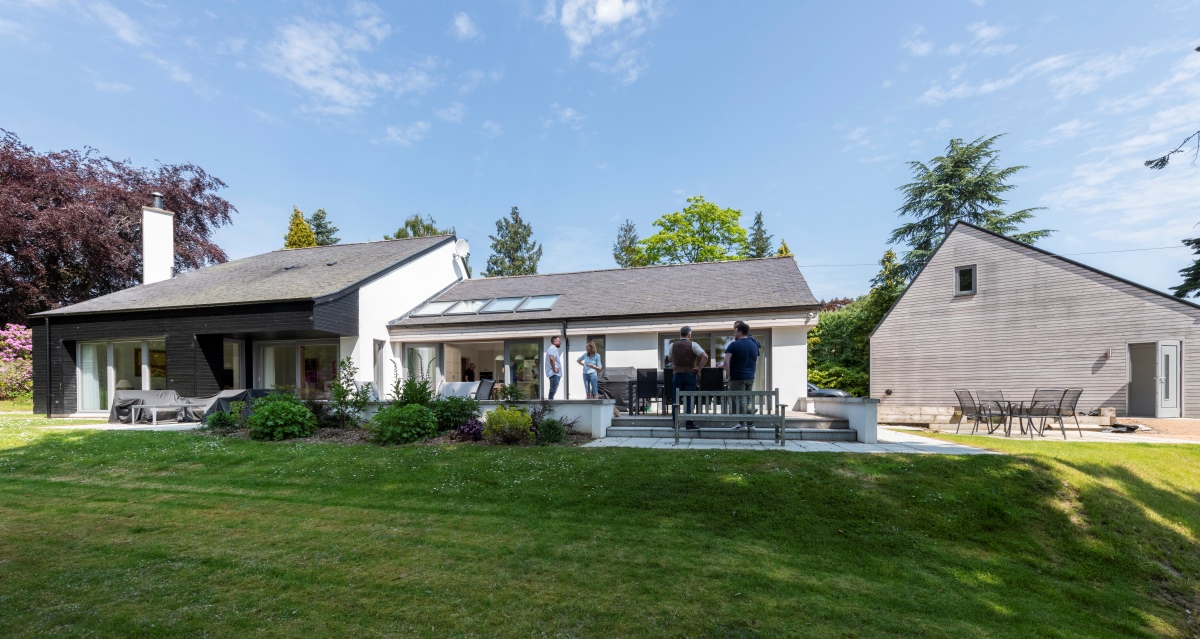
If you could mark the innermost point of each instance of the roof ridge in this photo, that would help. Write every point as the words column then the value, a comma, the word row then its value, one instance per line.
column 325, row 246
column 631, row 268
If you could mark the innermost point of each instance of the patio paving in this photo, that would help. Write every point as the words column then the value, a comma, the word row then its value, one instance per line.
column 891, row 441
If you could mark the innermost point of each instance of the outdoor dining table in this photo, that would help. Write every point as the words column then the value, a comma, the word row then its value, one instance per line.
column 1045, row 403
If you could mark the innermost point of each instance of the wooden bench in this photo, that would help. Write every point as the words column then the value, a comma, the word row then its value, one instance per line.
column 750, row 407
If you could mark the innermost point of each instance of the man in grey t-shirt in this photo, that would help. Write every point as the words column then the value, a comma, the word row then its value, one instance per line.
column 554, row 367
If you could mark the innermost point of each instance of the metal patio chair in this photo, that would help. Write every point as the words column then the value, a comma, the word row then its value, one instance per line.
column 1066, row 408
column 992, row 404
column 970, row 410
column 647, row 387
column 1046, row 404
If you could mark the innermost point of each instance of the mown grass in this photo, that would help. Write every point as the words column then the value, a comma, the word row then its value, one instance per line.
column 178, row 534
column 16, row 406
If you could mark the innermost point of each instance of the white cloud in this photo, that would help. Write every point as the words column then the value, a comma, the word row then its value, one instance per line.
column 475, row 78
column 914, row 44
column 856, row 138
column 1064, row 131
column 14, row 30
column 322, row 59
column 463, row 27
column 263, row 116
column 181, row 75
column 985, row 32
column 942, row 126
column 491, row 130
column 564, row 115
column 119, row 22
column 407, row 136
column 606, row 30
column 111, row 87
column 455, row 112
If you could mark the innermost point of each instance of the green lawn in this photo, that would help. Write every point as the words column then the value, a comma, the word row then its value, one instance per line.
column 176, row 534
column 16, row 406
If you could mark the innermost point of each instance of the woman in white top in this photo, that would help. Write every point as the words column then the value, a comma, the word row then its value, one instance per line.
column 591, row 371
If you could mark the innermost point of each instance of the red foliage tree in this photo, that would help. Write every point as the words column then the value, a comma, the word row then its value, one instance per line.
column 71, row 224
column 835, row 304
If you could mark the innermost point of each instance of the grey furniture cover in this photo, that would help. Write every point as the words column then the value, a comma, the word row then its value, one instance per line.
column 614, row 384
column 122, row 413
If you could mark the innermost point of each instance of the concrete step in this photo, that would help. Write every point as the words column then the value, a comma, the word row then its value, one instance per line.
column 808, row 434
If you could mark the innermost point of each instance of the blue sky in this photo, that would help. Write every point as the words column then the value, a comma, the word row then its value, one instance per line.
column 586, row 112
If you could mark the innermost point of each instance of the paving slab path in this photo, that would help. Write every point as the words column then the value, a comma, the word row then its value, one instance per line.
column 890, row 441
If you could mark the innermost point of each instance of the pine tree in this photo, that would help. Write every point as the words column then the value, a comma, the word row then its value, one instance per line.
column 964, row 184
column 300, row 234
column 1191, row 274
column 626, row 250
column 513, row 250
column 759, row 243
column 322, row 229
column 784, row 251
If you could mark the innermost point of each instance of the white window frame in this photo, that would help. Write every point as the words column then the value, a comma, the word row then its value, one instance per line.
column 974, row 279
column 296, row 344
column 111, row 368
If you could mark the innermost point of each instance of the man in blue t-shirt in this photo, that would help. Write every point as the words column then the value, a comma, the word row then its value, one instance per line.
column 741, row 358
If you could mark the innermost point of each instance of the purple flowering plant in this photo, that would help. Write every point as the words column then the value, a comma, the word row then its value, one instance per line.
column 16, row 362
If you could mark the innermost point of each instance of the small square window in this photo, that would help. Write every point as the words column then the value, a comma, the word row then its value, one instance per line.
column 964, row 280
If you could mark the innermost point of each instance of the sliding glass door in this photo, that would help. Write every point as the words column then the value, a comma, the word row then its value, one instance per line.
column 307, row 368
column 93, row 376
column 524, row 367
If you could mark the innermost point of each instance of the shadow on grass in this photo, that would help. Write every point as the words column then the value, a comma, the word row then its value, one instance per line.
column 623, row 541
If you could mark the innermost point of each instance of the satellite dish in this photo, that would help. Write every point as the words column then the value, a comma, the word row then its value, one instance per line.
column 461, row 248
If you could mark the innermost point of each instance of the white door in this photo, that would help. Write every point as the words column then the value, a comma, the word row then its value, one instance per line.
column 1168, row 385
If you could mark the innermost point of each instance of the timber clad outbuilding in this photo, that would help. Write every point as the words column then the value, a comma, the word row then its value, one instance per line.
column 987, row 312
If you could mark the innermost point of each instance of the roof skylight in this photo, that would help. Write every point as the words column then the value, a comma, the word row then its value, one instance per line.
column 539, row 303
column 503, row 305
column 433, row 308
column 466, row 307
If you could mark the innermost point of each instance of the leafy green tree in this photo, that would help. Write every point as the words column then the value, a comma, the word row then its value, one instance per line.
column 626, row 250
column 759, row 242
column 839, row 348
column 1191, row 274
column 701, row 232
column 513, row 250
column 417, row 226
column 964, row 184
column 300, row 234
column 322, row 229
column 784, row 251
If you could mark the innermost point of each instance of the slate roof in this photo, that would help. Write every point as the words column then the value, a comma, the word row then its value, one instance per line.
column 741, row 285
column 282, row 275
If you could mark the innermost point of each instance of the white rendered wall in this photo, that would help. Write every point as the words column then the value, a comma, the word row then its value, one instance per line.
column 393, row 295
column 158, row 245
column 789, row 362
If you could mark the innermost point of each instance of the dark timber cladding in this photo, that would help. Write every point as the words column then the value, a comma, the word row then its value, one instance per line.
column 194, row 340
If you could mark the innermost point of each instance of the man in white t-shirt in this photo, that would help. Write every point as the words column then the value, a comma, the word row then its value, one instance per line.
column 554, row 364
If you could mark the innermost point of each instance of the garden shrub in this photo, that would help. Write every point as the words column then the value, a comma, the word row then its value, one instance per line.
column 222, row 422
column 348, row 400
column 470, row 431
column 280, row 416
column 403, row 424
column 414, row 390
column 551, row 431
column 320, row 410
column 453, row 412
column 508, row 426
column 16, row 362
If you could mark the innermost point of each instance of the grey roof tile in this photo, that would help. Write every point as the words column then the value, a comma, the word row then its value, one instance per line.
column 282, row 275
column 741, row 285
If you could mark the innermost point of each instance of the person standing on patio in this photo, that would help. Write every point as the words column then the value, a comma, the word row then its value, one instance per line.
column 591, row 370
column 554, row 364
column 469, row 374
column 741, row 358
column 687, row 358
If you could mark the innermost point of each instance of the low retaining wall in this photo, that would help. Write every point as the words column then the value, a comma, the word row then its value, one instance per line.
column 593, row 416
column 861, row 412
column 935, row 416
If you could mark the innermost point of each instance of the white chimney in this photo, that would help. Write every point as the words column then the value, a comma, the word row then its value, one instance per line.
column 158, row 242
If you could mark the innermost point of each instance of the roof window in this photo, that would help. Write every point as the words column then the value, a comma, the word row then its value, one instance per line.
column 466, row 307
column 433, row 308
column 503, row 305
column 539, row 303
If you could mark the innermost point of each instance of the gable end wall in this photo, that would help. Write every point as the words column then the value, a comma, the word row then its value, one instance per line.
column 1036, row 321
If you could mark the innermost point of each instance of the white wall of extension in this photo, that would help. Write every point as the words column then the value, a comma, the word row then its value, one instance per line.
column 789, row 362
column 391, row 296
